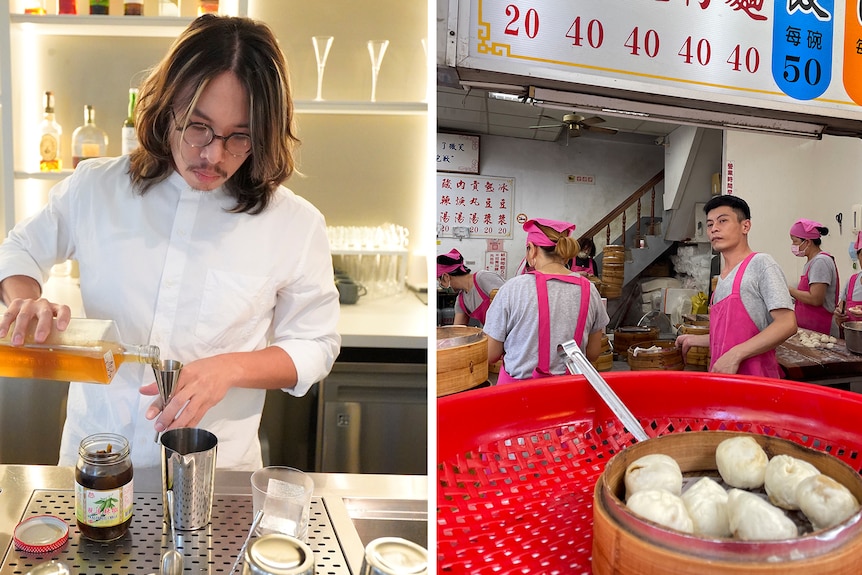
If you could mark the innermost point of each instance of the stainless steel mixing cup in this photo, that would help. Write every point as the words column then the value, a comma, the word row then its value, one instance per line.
column 188, row 468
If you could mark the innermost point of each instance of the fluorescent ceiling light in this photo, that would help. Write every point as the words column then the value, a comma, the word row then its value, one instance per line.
column 672, row 114
column 505, row 97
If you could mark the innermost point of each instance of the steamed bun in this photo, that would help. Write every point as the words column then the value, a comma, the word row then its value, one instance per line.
column 706, row 502
column 783, row 474
column 754, row 519
column 824, row 501
column 653, row 471
column 662, row 507
column 741, row 462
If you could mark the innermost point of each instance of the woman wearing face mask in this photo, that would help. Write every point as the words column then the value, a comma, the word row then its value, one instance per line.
column 474, row 289
column 817, row 293
column 849, row 306
column 584, row 263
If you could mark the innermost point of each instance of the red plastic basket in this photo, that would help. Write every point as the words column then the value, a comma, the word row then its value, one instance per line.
column 517, row 463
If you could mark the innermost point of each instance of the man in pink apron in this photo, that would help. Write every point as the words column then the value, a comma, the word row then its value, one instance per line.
column 849, row 306
column 818, row 290
column 474, row 289
column 535, row 312
column 752, row 311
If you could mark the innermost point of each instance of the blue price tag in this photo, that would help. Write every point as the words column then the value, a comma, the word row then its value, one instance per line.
column 802, row 34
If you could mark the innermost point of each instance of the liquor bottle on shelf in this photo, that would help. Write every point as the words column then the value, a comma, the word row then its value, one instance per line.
column 89, row 140
column 49, row 143
column 133, row 8
column 88, row 350
column 99, row 6
column 130, row 137
column 206, row 6
column 66, row 7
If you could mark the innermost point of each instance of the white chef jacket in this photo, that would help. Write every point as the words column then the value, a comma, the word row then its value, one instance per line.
column 175, row 269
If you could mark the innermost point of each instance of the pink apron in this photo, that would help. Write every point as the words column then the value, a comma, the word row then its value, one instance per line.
column 479, row 313
column 544, row 367
column 808, row 316
column 850, row 302
column 730, row 324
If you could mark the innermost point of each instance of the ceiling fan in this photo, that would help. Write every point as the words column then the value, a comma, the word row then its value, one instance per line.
column 576, row 123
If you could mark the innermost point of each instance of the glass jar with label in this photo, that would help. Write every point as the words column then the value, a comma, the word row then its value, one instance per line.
column 104, row 493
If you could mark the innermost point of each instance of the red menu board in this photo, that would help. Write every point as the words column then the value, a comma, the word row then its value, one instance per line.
column 474, row 206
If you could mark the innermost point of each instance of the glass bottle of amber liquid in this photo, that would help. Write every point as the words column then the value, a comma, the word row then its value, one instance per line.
column 88, row 350
column 89, row 140
column 49, row 142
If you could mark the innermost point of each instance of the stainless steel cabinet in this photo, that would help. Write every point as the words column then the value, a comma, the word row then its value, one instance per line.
column 374, row 419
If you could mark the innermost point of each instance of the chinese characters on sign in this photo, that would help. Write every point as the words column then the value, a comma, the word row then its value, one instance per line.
column 786, row 51
column 728, row 178
column 457, row 153
column 496, row 262
column 482, row 204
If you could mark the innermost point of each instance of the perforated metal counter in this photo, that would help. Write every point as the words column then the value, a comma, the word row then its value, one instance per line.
column 37, row 490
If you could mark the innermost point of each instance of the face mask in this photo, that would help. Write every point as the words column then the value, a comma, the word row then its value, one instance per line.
column 797, row 250
column 583, row 255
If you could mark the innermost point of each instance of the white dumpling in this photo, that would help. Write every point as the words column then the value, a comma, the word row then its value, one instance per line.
column 654, row 471
column 783, row 474
column 824, row 501
column 662, row 507
column 754, row 519
column 706, row 502
column 741, row 462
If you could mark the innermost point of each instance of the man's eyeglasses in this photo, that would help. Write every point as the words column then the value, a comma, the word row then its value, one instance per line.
column 200, row 135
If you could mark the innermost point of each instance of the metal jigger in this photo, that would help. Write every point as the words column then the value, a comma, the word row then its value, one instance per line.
column 167, row 372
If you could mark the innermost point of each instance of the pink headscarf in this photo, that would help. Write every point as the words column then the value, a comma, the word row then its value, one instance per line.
column 536, row 236
column 858, row 245
column 447, row 268
column 805, row 229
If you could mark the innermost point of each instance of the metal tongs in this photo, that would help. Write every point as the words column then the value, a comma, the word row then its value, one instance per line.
column 578, row 364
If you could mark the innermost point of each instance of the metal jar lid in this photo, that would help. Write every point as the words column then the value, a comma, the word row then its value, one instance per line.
column 278, row 554
column 394, row 556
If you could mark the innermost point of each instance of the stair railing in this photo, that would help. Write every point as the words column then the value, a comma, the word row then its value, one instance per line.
column 620, row 212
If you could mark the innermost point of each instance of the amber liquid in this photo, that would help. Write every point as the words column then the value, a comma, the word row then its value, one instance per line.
column 50, row 165
column 83, row 364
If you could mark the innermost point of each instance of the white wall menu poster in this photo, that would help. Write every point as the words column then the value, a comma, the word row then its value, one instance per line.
column 479, row 205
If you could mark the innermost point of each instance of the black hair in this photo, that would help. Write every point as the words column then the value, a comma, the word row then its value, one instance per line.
column 737, row 204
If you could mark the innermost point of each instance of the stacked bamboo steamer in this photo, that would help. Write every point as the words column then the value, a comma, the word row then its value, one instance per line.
column 698, row 356
column 605, row 361
column 613, row 271
column 627, row 336
column 462, row 358
column 665, row 357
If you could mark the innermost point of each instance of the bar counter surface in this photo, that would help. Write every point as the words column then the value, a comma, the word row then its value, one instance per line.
column 337, row 544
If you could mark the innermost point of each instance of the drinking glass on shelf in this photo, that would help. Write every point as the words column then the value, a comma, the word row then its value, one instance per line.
column 322, row 44
column 376, row 49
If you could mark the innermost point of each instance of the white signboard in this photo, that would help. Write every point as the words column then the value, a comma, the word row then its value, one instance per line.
column 481, row 204
column 457, row 153
column 799, row 55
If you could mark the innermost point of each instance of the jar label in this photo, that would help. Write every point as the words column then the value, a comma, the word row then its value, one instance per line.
column 106, row 508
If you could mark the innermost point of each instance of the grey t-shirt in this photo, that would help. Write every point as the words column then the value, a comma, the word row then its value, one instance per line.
column 513, row 318
column 821, row 270
column 487, row 281
column 763, row 289
column 857, row 290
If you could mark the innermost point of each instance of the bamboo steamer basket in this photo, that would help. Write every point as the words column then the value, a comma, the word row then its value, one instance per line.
column 625, row 544
column 605, row 361
column 517, row 464
column 668, row 357
column 462, row 358
column 697, row 356
column 627, row 336
column 613, row 254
